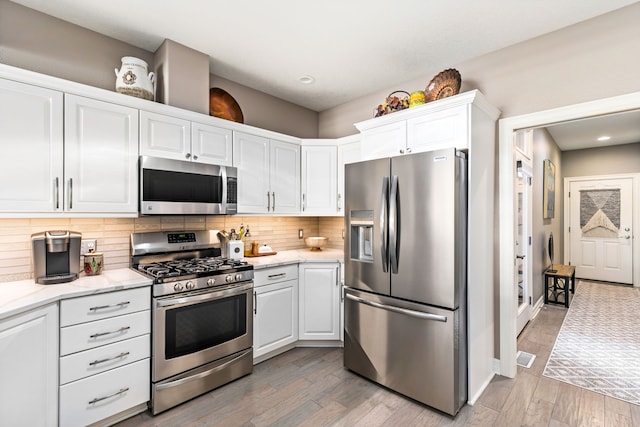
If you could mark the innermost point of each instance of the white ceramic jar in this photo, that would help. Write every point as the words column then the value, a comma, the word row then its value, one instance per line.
column 134, row 79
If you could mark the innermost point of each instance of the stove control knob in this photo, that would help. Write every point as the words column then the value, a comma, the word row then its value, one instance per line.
column 229, row 278
column 211, row 282
column 178, row 287
column 190, row 285
column 238, row 277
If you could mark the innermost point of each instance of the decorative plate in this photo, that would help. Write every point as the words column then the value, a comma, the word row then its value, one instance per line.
column 222, row 105
column 446, row 83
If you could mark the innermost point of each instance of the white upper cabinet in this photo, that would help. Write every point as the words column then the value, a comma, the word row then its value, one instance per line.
column 348, row 152
column 319, row 179
column 175, row 138
column 101, row 157
column 164, row 136
column 81, row 153
column 440, row 124
column 285, row 177
column 211, row 144
column 31, row 133
column 384, row 141
column 268, row 174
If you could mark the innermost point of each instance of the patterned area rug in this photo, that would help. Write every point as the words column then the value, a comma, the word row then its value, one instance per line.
column 598, row 347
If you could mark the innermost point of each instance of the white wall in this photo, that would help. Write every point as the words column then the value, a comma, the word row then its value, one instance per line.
column 594, row 59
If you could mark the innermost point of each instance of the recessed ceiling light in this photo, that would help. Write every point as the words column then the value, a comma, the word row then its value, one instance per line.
column 604, row 138
column 306, row 80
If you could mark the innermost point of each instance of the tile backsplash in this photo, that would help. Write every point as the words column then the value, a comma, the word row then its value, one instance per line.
column 112, row 235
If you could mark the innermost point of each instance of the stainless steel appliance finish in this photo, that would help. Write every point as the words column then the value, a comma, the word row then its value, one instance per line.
column 405, row 275
column 202, row 314
column 56, row 256
column 170, row 187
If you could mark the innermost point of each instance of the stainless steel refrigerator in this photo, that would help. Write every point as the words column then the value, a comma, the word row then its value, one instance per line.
column 405, row 275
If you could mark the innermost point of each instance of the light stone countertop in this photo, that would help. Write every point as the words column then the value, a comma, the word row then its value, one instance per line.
column 22, row 296
column 25, row 295
column 296, row 256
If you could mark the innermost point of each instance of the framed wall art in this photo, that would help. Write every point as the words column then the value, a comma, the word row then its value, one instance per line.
column 549, row 190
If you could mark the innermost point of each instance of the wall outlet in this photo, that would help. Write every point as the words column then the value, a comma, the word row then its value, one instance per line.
column 87, row 246
column 300, row 233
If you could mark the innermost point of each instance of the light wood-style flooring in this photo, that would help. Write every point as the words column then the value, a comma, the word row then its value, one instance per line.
column 310, row 387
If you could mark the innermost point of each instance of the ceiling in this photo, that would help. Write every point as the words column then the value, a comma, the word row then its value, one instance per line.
column 622, row 128
column 351, row 48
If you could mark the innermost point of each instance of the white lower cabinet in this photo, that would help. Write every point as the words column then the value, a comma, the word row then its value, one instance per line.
column 29, row 368
column 275, row 320
column 319, row 301
column 105, row 349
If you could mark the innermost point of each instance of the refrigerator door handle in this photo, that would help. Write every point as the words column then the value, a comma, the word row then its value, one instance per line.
column 412, row 313
column 394, row 226
column 384, row 239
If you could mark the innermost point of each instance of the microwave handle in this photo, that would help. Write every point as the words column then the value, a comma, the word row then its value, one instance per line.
column 223, row 181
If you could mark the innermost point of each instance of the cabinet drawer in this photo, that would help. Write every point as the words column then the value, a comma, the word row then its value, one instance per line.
column 101, row 306
column 275, row 275
column 92, row 399
column 94, row 334
column 86, row 363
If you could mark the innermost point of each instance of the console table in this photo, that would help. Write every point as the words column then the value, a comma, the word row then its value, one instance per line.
column 558, row 283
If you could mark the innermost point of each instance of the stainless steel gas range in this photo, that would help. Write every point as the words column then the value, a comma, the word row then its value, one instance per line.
column 202, row 308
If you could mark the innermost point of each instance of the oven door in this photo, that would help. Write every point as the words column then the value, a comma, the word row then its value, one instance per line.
column 195, row 329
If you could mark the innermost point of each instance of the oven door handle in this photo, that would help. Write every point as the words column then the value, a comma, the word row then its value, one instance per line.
column 181, row 381
column 235, row 290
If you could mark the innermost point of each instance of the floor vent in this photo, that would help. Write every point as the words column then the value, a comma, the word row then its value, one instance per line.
column 525, row 359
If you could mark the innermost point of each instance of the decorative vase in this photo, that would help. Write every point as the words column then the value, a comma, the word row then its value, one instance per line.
column 134, row 79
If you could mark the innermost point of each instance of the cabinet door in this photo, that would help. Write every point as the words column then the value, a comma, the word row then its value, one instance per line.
column 347, row 153
column 319, row 179
column 251, row 157
column 285, row 177
column 441, row 129
column 384, row 141
column 211, row 144
column 31, row 134
column 101, row 156
column 164, row 136
column 29, row 368
column 275, row 321
column 319, row 307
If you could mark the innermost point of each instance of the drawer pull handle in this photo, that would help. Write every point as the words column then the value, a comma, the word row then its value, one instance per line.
column 103, row 307
column 96, row 362
column 98, row 399
column 119, row 331
column 276, row 276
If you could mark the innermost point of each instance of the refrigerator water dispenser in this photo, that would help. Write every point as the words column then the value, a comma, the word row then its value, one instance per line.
column 361, row 235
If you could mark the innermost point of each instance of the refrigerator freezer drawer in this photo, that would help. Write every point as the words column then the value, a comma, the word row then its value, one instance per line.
column 416, row 350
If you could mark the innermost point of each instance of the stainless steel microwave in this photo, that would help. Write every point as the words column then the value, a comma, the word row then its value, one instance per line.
column 177, row 187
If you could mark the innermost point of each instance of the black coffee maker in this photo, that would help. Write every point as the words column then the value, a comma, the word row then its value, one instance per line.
column 56, row 256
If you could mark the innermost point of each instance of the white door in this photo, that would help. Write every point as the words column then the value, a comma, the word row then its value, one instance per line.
column 164, row 136
column 319, row 179
column 251, row 157
column 319, row 294
column 347, row 153
column 211, row 144
column 101, row 156
column 31, row 147
column 523, row 274
column 284, row 177
column 600, row 233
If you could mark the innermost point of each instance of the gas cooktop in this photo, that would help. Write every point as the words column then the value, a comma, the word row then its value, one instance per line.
column 182, row 269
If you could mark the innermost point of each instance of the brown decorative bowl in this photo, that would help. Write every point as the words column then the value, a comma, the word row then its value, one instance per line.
column 222, row 105
column 444, row 84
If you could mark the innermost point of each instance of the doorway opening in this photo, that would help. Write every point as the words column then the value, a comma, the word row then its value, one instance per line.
column 507, row 127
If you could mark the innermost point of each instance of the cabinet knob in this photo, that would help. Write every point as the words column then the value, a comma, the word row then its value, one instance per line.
column 188, row 155
column 408, row 150
column 195, row 157
column 401, row 151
